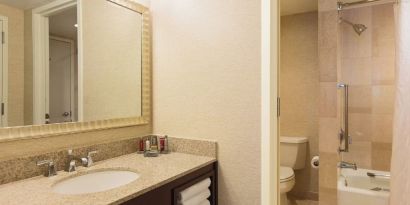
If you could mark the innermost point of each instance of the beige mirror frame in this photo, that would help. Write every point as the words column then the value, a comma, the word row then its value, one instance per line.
column 40, row 131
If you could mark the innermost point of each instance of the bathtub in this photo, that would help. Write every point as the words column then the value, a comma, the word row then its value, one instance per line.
column 354, row 187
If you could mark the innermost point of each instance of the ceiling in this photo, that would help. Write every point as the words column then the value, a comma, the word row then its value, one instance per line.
column 289, row 7
column 24, row 4
column 62, row 24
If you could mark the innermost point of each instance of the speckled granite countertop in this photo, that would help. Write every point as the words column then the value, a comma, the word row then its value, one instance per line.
column 154, row 172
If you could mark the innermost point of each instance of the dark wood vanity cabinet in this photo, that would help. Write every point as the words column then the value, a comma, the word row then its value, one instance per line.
column 167, row 194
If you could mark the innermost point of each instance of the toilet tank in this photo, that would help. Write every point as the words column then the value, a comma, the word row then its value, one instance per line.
column 293, row 152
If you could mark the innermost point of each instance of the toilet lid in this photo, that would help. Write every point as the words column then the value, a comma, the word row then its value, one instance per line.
column 286, row 174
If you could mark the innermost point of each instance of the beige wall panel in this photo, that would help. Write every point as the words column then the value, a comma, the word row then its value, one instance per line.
column 207, row 84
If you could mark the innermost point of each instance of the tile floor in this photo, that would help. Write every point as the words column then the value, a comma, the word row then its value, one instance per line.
column 303, row 202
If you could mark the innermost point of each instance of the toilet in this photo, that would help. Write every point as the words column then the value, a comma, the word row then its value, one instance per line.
column 292, row 157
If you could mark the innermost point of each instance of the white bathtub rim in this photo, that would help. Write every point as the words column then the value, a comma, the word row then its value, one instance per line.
column 341, row 187
column 361, row 173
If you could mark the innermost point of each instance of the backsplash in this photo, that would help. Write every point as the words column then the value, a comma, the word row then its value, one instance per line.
column 25, row 167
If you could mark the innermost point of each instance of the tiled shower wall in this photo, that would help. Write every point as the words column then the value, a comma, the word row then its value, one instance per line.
column 328, row 100
column 368, row 66
column 366, row 63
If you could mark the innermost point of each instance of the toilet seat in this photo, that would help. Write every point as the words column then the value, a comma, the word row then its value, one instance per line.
column 286, row 174
column 287, row 179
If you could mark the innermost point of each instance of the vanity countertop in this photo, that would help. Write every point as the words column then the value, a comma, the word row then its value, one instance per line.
column 154, row 172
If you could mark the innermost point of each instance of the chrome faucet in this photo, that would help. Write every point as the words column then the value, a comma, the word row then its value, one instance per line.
column 85, row 161
column 52, row 171
column 347, row 165
column 89, row 160
column 71, row 166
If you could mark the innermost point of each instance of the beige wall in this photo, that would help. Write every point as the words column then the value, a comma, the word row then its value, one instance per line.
column 112, row 85
column 28, row 68
column 207, row 85
column 368, row 66
column 16, row 64
column 299, row 90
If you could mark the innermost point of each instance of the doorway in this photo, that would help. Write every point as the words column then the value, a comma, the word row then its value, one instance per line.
column 55, row 69
column 61, row 81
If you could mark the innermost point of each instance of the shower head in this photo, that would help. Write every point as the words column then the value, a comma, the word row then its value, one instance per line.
column 358, row 28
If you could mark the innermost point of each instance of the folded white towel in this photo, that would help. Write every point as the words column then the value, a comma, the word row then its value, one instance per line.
column 194, row 190
column 198, row 199
column 206, row 202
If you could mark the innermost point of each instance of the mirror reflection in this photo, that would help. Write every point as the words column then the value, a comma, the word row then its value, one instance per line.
column 57, row 68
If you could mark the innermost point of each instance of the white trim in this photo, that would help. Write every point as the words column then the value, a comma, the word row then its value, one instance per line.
column 4, row 72
column 72, row 80
column 41, row 55
column 80, row 63
column 270, row 192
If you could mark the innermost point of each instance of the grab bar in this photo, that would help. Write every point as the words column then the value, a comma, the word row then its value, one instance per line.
column 372, row 174
column 344, row 134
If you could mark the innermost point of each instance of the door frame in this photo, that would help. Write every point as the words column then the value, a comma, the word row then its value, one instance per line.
column 72, row 76
column 270, row 104
column 41, row 55
column 4, row 72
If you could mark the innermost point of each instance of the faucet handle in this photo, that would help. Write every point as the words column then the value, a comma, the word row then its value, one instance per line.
column 88, row 162
column 51, row 167
column 92, row 153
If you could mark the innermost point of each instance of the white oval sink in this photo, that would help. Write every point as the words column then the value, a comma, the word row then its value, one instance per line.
column 95, row 182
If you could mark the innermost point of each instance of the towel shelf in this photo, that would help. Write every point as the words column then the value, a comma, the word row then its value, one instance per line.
column 212, row 187
column 168, row 194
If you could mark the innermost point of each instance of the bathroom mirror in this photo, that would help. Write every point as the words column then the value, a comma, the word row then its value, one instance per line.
column 66, row 61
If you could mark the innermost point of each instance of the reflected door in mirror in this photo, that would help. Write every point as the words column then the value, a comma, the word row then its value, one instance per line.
column 61, row 89
column 55, row 78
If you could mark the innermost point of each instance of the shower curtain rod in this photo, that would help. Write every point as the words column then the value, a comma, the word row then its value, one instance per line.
column 342, row 5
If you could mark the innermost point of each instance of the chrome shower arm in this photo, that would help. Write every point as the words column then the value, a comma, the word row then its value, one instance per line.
column 346, row 21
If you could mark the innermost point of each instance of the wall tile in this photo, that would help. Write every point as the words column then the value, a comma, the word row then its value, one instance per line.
column 360, row 152
column 328, row 100
column 383, row 99
column 381, row 156
column 382, row 128
column 360, row 99
column 354, row 45
column 383, row 48
column 328, row 46
column 328, row 132
column 328, row 170
column 327, row 196
column 383, row 22
column 366, row 63
column 360, row 126
column 327, row 5
column 356, row 71
column 383, row 72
